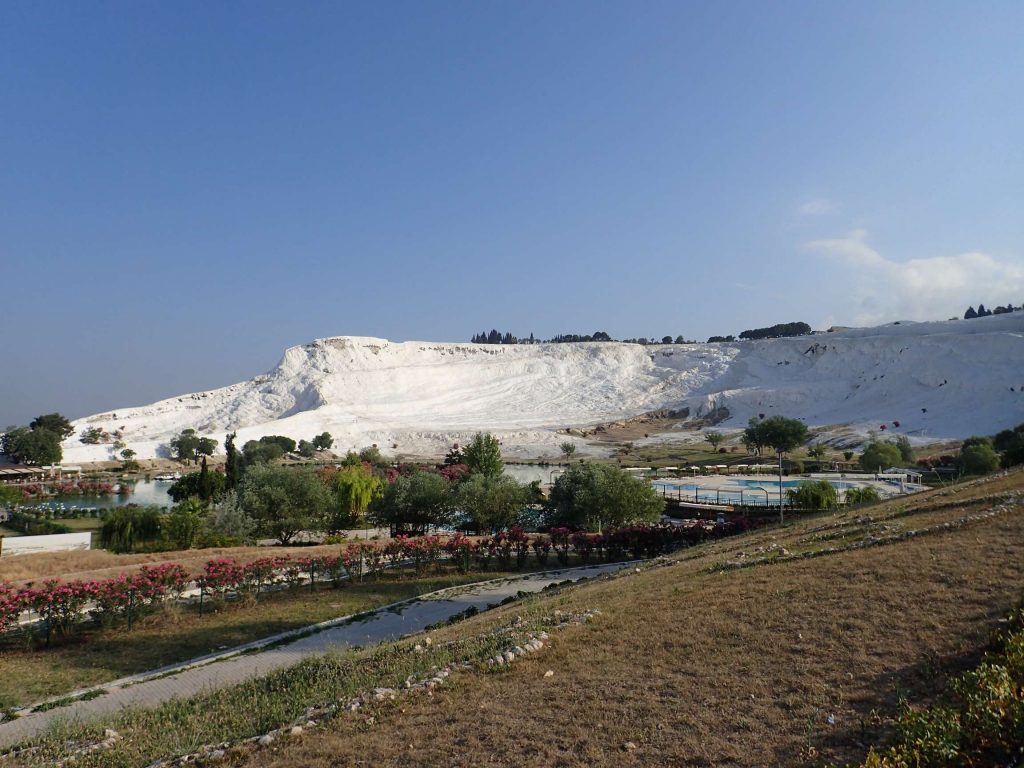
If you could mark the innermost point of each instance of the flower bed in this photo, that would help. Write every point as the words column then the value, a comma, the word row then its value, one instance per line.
column 61, row 607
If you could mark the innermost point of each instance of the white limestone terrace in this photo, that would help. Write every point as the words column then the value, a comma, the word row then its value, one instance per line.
column 939, row 380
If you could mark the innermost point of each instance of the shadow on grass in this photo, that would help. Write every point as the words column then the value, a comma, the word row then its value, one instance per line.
column 920, row 684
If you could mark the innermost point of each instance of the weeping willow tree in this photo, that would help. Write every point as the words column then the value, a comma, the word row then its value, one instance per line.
column 124, row 528
column 814, row 494
column 354, row 487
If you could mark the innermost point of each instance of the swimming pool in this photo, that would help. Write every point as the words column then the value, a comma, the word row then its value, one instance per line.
column 733, row 490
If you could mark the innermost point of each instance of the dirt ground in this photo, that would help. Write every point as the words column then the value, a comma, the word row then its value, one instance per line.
column 101, row 564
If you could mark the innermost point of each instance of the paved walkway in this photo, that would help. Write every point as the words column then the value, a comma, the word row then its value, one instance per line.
column 384, row 624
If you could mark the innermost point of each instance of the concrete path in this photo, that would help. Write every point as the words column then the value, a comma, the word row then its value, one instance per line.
column 384, row 624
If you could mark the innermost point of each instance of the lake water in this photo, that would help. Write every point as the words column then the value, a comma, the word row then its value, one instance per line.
column 733, row 490
column 144, row 494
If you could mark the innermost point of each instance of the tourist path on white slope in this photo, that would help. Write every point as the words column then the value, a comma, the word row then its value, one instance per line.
column 381, row 625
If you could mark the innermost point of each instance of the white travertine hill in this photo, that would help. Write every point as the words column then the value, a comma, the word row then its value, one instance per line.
column 938, row 380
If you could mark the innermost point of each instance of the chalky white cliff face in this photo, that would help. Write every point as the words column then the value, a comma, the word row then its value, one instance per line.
column 938, row 380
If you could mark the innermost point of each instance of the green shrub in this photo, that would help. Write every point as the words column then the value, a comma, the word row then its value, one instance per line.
column 880, row 456
column 978, row 457
column 866, row 495
column 814, row 494
column 981, row 722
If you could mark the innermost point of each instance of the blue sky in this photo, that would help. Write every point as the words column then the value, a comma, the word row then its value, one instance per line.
column 189, row 188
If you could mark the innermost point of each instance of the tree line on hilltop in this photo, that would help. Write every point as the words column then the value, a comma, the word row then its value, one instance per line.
column 495, row 337
column 770, row 332
column 972, row 313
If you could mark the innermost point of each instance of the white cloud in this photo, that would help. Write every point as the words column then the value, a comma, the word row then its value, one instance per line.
column 920, row 289
column 819, row 206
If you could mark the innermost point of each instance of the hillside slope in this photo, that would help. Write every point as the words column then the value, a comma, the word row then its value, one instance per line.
column 938, row 380
column 799, row 658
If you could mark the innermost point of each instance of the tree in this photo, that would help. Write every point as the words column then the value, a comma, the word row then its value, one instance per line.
column 32, row 446
column 286, row 443
column 93, row 436
column 54, row 422
column 878, row 455
column 491, row 503
column 568, row 449
column 124, row 528
column 591, row 496
column 483, row 455
column 206, row 446
column 10, row 440
column 970, row 314
column 9, row 494
column 203, row 485
column 776, row 432
column 351, row 459
column 184, row 445
column 323, row 441
column 413, row 503
column 777, row 331
column 128, row 457
column 372, row 455
column 354, row 488
column 811, row 494
column 227, row 524
column 1010, row 443
column 750, row 437
column 905, row 448
column 978, row 457
column 284, row 500
column 232, row 466
column 182, row 524
column 260, row 452
column 818, row 451
column 715, row 438
column 306, row 449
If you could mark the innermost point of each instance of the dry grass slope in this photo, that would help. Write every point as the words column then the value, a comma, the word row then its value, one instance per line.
column 796, row 658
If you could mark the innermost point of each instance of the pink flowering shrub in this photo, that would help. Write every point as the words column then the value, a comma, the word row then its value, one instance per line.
column 541, row 548
column 221, row 576
column 560, row 542
column 60, row 606
column 459, row 548
column 11, row 606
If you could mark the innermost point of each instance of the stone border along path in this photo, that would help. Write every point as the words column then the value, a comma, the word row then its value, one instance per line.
column 241, row 663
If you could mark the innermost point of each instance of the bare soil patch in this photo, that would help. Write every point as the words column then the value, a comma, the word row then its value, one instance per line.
column 99, row 563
